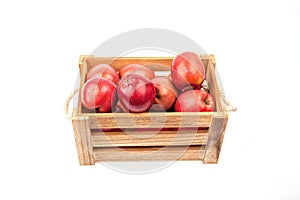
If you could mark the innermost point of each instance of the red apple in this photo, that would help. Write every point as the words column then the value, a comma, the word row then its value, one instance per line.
column 194, row 101
column 104, row 71
column 99, row 94
column 136, row 69
column 187, row 69
column 136, row 93
column 165, row 92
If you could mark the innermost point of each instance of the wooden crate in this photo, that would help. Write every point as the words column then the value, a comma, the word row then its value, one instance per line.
column 149, row 136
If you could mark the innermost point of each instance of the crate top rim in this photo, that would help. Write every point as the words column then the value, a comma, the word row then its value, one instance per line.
column 150, row 114
column 83, row 58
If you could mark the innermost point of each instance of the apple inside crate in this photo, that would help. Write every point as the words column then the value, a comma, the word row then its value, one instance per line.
column 149, row 136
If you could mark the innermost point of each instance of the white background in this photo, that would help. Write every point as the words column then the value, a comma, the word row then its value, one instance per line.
column 257, row 48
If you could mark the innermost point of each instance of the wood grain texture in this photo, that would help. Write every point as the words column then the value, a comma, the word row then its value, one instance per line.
column 213, row 86
column 82, row 133
column 83, row 71
column 218, row 123
column 155, row 63
column 148, row 153
column 215, row 139
column 149, row 138
column 150, row 120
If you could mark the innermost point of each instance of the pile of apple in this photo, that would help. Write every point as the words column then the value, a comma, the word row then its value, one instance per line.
column 135, row 88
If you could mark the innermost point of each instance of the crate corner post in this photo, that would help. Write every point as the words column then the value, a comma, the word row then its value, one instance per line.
column 215, row 139
column 82, row 134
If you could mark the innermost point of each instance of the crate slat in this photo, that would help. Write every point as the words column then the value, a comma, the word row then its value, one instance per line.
column 148, row 153
column 149, row 138
column 150, row 120
column 155, row 63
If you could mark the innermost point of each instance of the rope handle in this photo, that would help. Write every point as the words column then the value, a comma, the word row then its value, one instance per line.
column 229, row 106
column 66, row 105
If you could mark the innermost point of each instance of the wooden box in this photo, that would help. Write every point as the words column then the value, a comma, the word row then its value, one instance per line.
column 151, row 136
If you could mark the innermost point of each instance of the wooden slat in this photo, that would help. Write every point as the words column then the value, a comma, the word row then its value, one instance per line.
column 148, row 153
column 155, row 63
column 149, row 138
column 150, row 120
column 83, row 71
column 205, row 59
